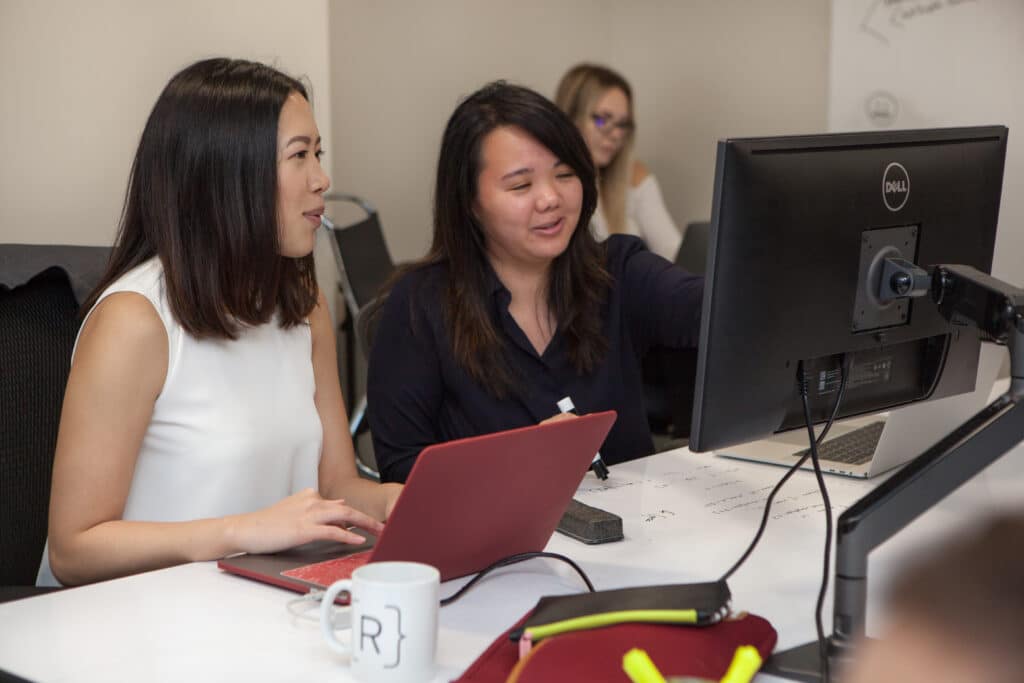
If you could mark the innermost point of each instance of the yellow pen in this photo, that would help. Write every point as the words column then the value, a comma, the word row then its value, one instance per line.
column 745, row 664
column 639, row 667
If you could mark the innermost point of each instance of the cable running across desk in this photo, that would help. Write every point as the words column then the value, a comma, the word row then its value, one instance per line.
column 314, row 596
column 845, row 373
column 514, row 559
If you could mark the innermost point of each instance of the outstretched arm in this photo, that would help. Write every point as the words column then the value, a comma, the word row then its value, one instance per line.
column 662, row 302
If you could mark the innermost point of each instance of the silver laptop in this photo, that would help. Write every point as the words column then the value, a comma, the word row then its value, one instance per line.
column 867, row 446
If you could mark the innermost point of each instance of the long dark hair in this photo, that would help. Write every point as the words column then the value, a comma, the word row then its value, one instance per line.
column 578, row 278
column 202, row 196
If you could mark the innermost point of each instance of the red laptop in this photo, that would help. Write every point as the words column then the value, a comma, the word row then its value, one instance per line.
column 466, row 505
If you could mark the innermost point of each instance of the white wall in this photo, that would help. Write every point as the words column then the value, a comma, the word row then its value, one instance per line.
column 939, row 63
column 711, row 69
column 79, row 79
column 701, row 70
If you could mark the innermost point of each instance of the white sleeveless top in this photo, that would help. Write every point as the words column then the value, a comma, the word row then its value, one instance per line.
column 234, row 428
column 646, row 217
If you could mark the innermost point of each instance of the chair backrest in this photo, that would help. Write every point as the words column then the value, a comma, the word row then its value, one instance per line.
column 84, row 265
column 364, row 265
column 40, row 291
column 38, row 324
column 693, row 252
column 362, row 255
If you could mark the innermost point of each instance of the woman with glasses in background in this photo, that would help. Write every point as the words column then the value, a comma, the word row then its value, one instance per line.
column 600, row 102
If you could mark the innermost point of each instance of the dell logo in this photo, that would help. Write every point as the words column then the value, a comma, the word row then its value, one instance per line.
column 895, row 186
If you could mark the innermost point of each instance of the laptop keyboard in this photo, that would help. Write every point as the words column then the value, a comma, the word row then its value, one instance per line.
column 323, row 574
column 853, row 448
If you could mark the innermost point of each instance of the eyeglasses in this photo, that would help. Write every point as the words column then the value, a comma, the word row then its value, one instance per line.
column 606, row 124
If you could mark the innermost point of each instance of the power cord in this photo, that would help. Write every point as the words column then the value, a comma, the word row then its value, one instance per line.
column 298, row 607
column 307, row 603
column 514, row 559
column 822, row 642
column 844, row 376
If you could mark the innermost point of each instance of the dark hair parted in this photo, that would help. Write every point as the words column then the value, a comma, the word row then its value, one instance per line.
column 579, row 279
column 202, row 196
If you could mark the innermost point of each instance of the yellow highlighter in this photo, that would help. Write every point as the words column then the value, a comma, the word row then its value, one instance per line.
column 638, row 666
column 745, row 663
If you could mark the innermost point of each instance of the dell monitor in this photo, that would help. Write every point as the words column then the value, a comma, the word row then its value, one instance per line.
column 865, row 255
column 802, row 228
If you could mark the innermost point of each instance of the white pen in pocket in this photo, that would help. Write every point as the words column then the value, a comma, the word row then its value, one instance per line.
column 597, row 465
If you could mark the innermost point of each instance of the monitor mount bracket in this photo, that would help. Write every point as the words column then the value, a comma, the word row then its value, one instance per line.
column 995, row 308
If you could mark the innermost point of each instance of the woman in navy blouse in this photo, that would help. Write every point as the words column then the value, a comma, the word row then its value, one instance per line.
column 516, row 305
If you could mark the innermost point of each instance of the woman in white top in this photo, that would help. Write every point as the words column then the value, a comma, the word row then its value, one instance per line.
column 203, row 414
column 600, row 103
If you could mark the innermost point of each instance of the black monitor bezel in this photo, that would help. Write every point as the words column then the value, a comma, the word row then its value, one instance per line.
column 961, row 363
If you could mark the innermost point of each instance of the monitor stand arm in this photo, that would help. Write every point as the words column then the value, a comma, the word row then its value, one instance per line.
column 961, row 293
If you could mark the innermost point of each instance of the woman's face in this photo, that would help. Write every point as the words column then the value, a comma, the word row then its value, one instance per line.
column 527, row 201
column 606, row 127
column 301, row 181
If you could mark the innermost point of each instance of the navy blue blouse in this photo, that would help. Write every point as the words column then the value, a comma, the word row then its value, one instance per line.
column 418, row 395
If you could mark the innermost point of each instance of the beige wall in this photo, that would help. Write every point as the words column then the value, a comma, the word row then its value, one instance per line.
column 701, row 69
column 79, row 79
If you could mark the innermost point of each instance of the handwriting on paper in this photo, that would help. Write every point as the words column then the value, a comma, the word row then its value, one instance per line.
column 681, row 487
column 660, row 514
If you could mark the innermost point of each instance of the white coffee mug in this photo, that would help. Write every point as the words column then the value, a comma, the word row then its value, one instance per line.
column 394, row 609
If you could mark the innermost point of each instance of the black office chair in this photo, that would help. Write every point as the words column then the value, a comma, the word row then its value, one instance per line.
column 364, row 265
column 670, row 374
column 693, row 252
column 40, row 291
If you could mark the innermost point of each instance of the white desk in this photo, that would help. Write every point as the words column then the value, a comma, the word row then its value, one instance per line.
column 686, row 518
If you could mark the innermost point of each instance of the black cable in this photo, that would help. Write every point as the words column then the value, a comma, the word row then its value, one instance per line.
column 844, row 375
column 513, row 559
column 822, row 642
